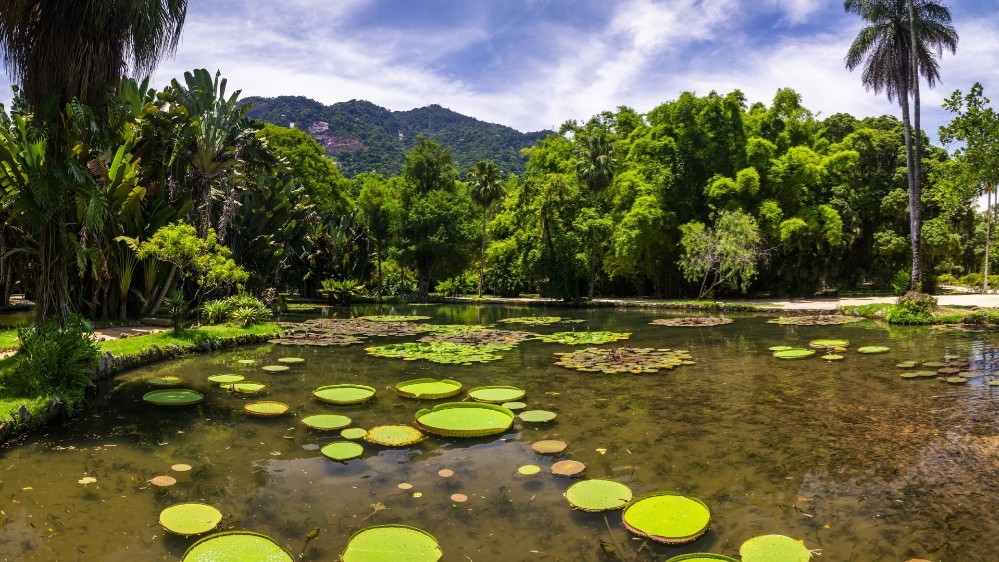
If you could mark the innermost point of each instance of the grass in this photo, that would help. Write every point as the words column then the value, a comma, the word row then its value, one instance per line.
column 8, row 339
column 122, row 347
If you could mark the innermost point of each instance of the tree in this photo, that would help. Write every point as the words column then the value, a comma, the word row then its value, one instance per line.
column 723, row 256
column 375, row 201
column 595, row 162
column 905, row 39
column 61, row 50
column 486, row 183
column 976, row 125
column 326, row 187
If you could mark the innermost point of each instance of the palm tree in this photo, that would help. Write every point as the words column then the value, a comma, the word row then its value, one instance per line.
column 595, row 164
column 486, row 182
column 64, row 50
column 904, row 39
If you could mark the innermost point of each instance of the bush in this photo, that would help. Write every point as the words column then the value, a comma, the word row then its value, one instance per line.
column 176, row 307
column 913, row 308
column 246, row 316
column 55, row 361
column 946, row 279
column 216, row 311
column 458, row 285
column 971, row 280
column 396, row 285
column 901, row 281
column 341, row 291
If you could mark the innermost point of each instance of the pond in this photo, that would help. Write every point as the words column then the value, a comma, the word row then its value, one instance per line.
column 847, row 456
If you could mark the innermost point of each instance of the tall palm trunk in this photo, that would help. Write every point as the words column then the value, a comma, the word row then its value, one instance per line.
column 52, row 293
column 988, row 236
column 915, row 192
column 482, row 254
column 914, row 219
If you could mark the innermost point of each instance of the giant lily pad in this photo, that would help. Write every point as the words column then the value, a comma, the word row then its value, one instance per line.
column 496, row 394
column 437, row 352
column 190, row 518
column 223, row 379
column 824, row 343
column 393, row 318
column 344, row 393
column 478, row 336
column 702, row 557
column 585, row 338
column 624, row 359
column 394, row 435
column 537, row 416
column 598, row 495
column 568, row 468
column 873, row 349
column 667, row 518
column 465, row 419
column 290, row 360
column 266, row 409
column 532, row 320
column 781, row 347
column 342, row 450
column 392, row 543
column 774, row 548
column 326, row 422
column 815, row 320
column 275, row 368
column 173, row 397
column 245, row 387
column 692, row 321
column 237, row 546
column 353, row 433
column 794, row 353
column 325, row 332
column 428, row 389
column 549, row 446
column 167, row 380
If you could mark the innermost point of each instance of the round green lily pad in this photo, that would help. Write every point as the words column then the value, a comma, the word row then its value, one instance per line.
column 934, row 364
column 394, row 435
column 773, row 548
column 245, row 387
column 910, row 375
column 529, row 469
column 190, row 518
column 266, row 409
column 496, row 394
column 956, row 380
column 465, row 419
column 537, row 416
column 275, row 368
column 223, row 379
column 823, row 343
column 514, row 405
column 395, row 543
column 290, row 360
column 168, row 380
column 926, row 374
column 667, row 518
column 873, row 349
column 342, row 450
column 326, row 422
column 598, row 495
column 568, row 468
column 247, row 361
column 173, row 397
column 353, row 433
column 832, row 357
column 237, row 546
column 781, row 348
column 692, row 321
column 794, row 353
column 438, row 352
column 549, row 446
column 344, row 393
column 702, row 557
column 585, row 338
column 906, row 365
column 428, row 389
column 393, row 318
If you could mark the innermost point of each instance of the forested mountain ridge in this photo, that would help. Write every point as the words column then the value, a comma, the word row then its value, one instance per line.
column 364, row 137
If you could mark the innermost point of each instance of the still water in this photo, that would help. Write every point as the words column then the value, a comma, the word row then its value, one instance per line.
column 857, row 462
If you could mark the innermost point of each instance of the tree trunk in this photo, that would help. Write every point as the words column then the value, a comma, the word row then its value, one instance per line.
column 593, row 275
column 914, row 203
column 482, row 254
column 423, row 282
column 378, row 255
column 915, row 212
column 988, row 236
column 52, row 293
column 163, row 292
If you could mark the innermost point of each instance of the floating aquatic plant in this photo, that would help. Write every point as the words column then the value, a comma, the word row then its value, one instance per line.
column 496, row 394
column 344, row 393
column 290, row 360
column 794, row 353
column 394, row 435
column 395, row 543
column 774, row 548
column 514, row 405
column 266, row 409
column 667, row 518
column 353, row 433
column 870, row 349
column 232, row 546
column 393, row 318
column 163, row 481
column 223, row 379
column 540, row 320
column 624, row 359
column 342, row 450
column 825, row 343
column 190, row 518
column 537, row 416
column 548, row 446
column 465, row 419
column 815, row 320
column 245, row 387
column 275, row 368
column 428, row 389
column 529, row 469
column 437, row 352
column 173, row 397
column 781, row 347
column 167, row 380
column 584, row 338
column 598, row 495
column 702, row 557
column 479, row 336
column 325, row 332
column 692, row 321
column 832, row 357
column 568, row 468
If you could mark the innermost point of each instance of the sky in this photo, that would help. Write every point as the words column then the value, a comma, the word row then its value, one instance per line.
column 533, row 64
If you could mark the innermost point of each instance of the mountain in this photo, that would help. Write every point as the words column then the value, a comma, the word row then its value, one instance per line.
column 364, row 137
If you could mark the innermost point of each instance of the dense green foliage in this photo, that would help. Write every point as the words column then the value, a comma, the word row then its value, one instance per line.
column 363, row 137
column 54, row 360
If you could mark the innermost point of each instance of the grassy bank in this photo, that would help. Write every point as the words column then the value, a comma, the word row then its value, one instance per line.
column 191, row 339
column 979, row 317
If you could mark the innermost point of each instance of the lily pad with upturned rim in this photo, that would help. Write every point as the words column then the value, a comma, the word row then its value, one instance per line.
column 465, row 419
column 344, row 393
column 774, row 548
column 537, row 416
column 529, row 469
column 275, row 368
column 189, row 519
column 395, row 543
column 549, row 446
column 173, row 397
column 353, row 433
column 168, row 380
column 237, row 546
column 832, row 357
column 428, row 389
column 702, row 557
column 667, row 518
column 781, row 348
column 246, row 361
column 794, row 353
column 266, row 409
column 956, row 380
column 871, row 349
column 514, row 405
column 326, row 422
column 394, row 435
column 342, row 450
column 907, row 365
column 496, row 394
column 598, row 495
column 568, row 468
column 245, row 387
column 224, row 379
column 824, row 343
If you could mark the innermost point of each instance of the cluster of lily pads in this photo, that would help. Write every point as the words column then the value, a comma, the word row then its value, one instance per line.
column 692, row 321
column 815, row 320
column 437, row 352
column 833, row 348
column 624, row 359
column 324, row 332
column 951, row 370
column 540, row 320
column 478, row 336
column 585, row 338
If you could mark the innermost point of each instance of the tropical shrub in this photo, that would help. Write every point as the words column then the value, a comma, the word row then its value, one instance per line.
column 246, row 316
column 901, row 281
column 176, row 308
column 913, row 308
column 55, row 361
column 341, row 291
column 946, row 279
column 458, row 285
column 216, row 311
column 971, row 280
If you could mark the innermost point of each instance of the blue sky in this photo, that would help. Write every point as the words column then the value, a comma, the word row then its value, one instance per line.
column 532, row 64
